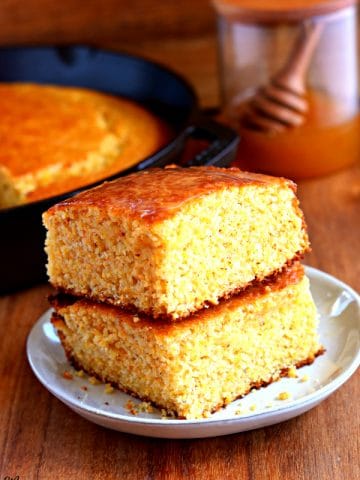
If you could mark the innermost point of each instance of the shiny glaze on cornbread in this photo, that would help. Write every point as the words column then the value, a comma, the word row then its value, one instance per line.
column 156, row 194
column 290, row 275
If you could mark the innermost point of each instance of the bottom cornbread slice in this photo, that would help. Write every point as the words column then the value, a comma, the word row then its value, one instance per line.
column 193, row 367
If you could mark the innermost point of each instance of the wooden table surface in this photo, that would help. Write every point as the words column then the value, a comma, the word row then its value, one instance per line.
column 40, row 438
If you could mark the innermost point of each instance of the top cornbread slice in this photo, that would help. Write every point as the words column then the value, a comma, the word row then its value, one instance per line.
column 168, row 242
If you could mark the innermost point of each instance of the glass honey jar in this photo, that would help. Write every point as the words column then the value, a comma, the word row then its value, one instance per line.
column 289, row 74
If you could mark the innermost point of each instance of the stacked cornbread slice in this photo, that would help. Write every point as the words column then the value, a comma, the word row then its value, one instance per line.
column 183, row 286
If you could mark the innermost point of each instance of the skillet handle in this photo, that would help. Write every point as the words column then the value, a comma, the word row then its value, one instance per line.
column 223, row 143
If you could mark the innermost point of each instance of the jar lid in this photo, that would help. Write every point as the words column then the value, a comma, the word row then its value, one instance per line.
column 278, row 10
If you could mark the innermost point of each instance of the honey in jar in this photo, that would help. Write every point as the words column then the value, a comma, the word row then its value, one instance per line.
column 290, row 84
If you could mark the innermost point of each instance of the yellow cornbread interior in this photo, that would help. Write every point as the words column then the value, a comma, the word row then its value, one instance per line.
column 193, row 367
column 206, row 249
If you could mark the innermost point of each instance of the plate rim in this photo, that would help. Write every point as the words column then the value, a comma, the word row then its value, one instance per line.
column 312, row 398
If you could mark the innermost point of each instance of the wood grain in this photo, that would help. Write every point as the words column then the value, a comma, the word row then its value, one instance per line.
column 69, row 21
column 42, row 439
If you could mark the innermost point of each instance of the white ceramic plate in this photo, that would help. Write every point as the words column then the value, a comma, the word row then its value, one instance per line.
column 339, row 308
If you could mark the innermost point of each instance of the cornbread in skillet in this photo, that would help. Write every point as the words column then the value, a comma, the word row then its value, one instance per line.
column 168, row 242
column 55, row 139
column 195, row 366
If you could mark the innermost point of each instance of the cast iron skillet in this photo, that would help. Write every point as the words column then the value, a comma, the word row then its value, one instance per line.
column 22, row 258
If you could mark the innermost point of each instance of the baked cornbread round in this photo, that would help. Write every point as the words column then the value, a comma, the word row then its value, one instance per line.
column 55, row 139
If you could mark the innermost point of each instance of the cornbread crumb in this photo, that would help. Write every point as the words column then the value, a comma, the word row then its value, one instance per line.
column 67, row 375
column 292, row 372
column 145, row 407
column 131, row 407
column 163, row 413
column 240, row 411
column 253, row 408
column 304, row 378
column 109, row 388
column 80, row 373
column 94, row 381
column 283, row 396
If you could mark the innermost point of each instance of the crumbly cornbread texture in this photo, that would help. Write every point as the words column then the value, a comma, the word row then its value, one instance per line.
column 195, row 366
column 169, row 241
column 55, row 139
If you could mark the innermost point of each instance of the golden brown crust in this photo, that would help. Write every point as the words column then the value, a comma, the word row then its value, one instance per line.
column 155, row 194
column 290, row 275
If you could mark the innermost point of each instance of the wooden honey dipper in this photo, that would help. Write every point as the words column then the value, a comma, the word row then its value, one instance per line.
column 282, row 103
